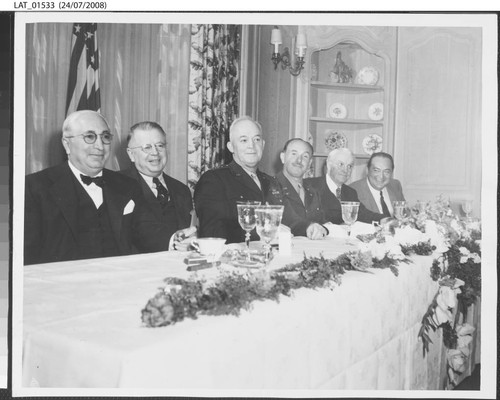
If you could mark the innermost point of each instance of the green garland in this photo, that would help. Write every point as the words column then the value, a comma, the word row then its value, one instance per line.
column 233, row 291
column 446, row 270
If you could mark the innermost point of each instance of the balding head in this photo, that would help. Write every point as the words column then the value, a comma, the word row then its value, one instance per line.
column 246, row 142
column 83, row 133
column 339, row 164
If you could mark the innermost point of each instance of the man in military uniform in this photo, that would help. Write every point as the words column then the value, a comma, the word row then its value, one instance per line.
column 302, row 208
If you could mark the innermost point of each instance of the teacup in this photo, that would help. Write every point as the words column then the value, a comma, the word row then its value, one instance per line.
column 210, row 247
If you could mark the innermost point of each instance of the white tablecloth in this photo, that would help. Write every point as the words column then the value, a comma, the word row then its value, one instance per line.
column 82, row 328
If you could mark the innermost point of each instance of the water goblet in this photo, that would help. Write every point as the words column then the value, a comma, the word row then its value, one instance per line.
column 349, row 215
column 399, row 208
column 467, row 208
column 247, row 220
column 268, row 222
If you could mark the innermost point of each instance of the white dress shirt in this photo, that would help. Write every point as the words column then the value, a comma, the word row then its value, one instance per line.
column 376, row 197
column 332, row 185
column 94, row 191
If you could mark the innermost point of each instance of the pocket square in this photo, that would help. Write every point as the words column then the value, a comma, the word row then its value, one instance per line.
column 129, row 207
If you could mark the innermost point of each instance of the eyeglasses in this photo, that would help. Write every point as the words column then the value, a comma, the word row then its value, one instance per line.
column 150, row 149
column 91, row 137
column 347, row 167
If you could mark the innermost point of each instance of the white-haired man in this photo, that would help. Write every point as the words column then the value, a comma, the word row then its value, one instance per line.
column 79, row 209
column 332, row 188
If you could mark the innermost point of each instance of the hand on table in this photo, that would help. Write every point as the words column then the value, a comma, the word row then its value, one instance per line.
column 316, row 231
column 181, row 240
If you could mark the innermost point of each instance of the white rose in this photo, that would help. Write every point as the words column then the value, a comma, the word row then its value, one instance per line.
column 446, row 297
column 465, row 329
column 457, row 360
column 441, row 316
column 476, row 258
column 377, row 249
column 464, row 250
column 463, row 341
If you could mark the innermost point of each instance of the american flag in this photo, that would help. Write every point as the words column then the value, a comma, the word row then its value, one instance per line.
column 83, row 83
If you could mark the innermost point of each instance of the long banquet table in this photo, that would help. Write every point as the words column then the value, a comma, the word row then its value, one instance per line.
column 82, row 329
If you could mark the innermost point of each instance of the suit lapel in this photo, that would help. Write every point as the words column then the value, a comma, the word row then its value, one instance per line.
column 64, row 193
column 116, row 201
column 371, row 200
column 180, row 201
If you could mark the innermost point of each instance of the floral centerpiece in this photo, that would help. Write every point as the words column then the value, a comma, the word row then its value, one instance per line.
column 427, row 229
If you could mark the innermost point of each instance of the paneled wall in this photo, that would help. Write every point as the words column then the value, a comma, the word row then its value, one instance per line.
column 438, row 113
column 435, row 107
column 144, row 70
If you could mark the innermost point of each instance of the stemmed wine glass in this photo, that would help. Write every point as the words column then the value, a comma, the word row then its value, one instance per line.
column 467, row 207
column 349, row 214
column 247, row 220
column 268, row 222
column 399, row 209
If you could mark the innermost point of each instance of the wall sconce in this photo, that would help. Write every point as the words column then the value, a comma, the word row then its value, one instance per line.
column 294, row 66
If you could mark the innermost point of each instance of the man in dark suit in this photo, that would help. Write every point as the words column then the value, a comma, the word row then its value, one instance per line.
column 302, row 208
column 79, row 209
column 169, row 199
column 332, row 188
column 378, row 190
column 218, row 190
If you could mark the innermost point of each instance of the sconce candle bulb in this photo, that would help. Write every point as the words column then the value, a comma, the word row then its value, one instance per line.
column 284, row 59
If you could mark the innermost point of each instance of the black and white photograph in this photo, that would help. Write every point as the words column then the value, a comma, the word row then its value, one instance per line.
column 255, row 204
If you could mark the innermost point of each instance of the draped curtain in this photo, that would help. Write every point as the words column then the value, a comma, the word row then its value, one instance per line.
column 213, row 95
column 144, row 75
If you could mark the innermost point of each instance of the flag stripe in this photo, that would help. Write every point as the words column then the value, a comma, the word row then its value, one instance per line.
column 83, row 82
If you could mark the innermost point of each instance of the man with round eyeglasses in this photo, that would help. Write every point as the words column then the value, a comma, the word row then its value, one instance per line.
column 169, row 199
column 333, row 188
column 79, row 209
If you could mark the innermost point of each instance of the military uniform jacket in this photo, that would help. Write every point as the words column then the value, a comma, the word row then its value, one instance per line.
column 215, row 197
column 331, row 205
column 296, row 215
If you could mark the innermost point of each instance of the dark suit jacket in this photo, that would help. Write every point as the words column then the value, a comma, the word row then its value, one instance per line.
column 51, row 218
column 296, row 215
column 331, row 205
column 215, row 197
column 179, row 192
column 366, row 197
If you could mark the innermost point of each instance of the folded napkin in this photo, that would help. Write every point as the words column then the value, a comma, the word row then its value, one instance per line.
column 358, row 228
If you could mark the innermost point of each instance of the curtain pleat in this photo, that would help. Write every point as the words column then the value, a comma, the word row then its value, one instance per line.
column 144, row 75
column 213, row 95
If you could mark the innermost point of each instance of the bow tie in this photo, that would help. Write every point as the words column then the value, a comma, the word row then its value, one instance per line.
column 98, row 180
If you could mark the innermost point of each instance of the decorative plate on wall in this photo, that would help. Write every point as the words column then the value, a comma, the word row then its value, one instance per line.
column 372, row 144
column 367, row 76
column 335, row 140
column 337, row 110
column 376, row 111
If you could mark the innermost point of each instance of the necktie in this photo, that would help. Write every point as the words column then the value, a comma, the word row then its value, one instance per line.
column 385, row 210
column 256, row 180
column 98, row 180
column 163, row 194
column 338, row 193
column 301, row 193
